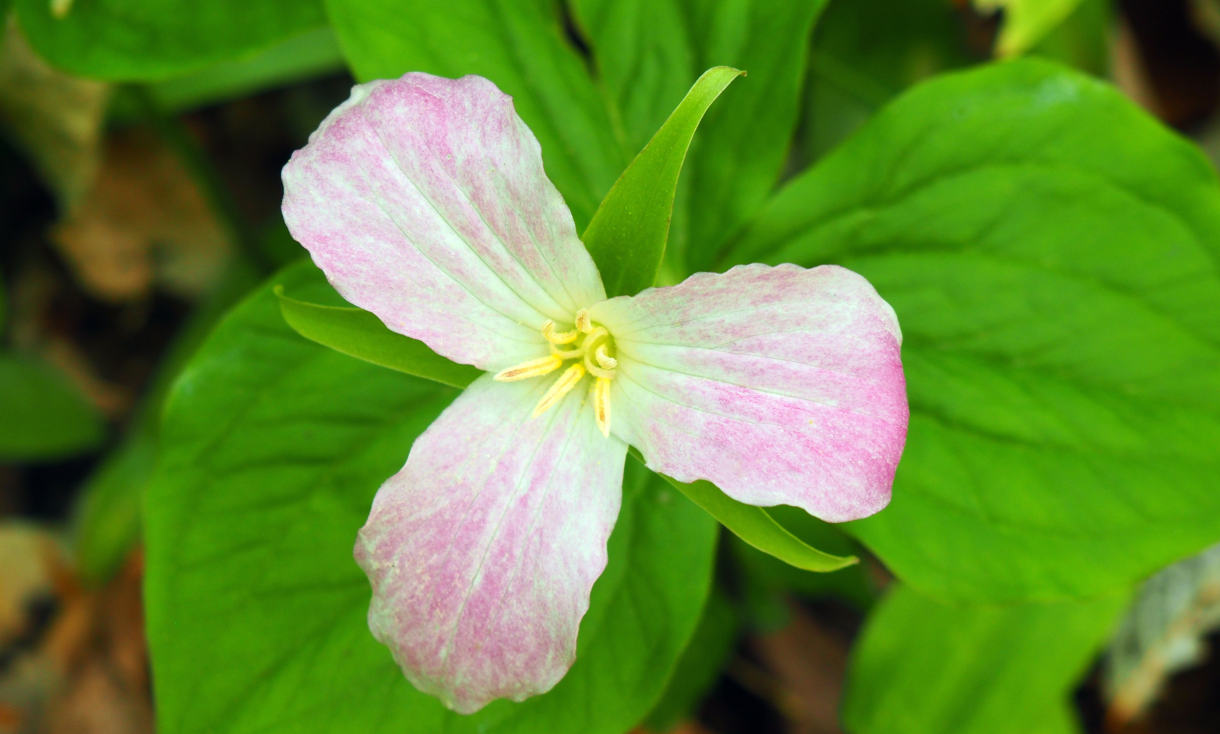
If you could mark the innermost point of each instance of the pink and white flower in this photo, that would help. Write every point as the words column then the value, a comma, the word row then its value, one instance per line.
column 424, row 201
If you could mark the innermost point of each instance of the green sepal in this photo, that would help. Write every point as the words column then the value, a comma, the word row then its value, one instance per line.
column 358, row 333
column 629, row 230
column 756, row 527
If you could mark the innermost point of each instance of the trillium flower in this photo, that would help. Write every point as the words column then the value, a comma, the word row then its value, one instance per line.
column 424, row 201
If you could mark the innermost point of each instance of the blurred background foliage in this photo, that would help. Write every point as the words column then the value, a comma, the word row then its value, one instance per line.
column 140, row 144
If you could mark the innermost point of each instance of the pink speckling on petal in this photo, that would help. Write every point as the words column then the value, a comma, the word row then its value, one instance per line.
column 424, row 200
column 781, row 385
column 482, row 551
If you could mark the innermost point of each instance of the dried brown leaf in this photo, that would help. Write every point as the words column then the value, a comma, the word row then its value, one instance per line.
column 144, row 221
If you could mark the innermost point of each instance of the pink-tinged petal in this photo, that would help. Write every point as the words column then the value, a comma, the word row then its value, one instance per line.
column 780, row 385
column 483, row 549
column 424, row 200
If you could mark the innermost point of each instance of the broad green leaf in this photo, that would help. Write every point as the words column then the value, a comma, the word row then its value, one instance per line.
column 358, row 333
column 273, row 449
column 863, row 54
column 1051, row 252
column 1052, row 255
column 290, row 60
column 518, row 44
column 922, row 667
column 645, row 51
column 700, row 665
column 745, row 141
column 757, row 528
column 43, row 415
column 1025, row 22
column 133, row 40
column 628, row 233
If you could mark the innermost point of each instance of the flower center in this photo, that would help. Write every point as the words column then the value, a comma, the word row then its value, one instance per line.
column 590, row 349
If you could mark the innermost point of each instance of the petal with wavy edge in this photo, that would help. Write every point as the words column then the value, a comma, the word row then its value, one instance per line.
column 482, row 551
column 424, row 200
column 781, row 385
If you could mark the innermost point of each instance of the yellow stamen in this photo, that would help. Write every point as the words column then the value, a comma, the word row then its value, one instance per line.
column 604, row 359
column 596, row 370
column 562, row 337
column 583, row 323
column 532, row 368
column 559, row 388
column 567, row 353
column 601, row 404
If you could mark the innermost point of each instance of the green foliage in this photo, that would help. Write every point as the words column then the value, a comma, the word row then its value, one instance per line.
column 274, row 447
column 763, row 582
column 698, row 668
column 922, row 667
column 1051, row 253
column 1082, row 40
column 108, row 517
column 757, row 528
column 134, row 40
column 588, row 136
column 358, row 333
column 291, row 59
column 627, row 235
column 864, row 53
column 1050, row 250
column 44, row 416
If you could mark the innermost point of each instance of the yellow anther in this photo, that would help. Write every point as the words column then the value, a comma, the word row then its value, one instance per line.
column 533, row 368
column 601, row 404
column 561, row 337
column 568, row 380
column 583, row 323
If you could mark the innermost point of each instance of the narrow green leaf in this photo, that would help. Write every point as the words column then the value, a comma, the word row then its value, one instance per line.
column 358, row 333
column 627, row 235
column 1026, row 22
column 43, row 415
column 646, row 50
column 757, row 528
